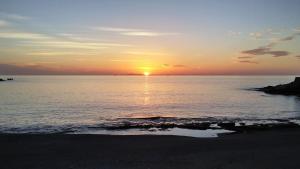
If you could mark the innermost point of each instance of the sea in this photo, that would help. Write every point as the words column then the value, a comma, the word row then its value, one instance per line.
column 133, row 105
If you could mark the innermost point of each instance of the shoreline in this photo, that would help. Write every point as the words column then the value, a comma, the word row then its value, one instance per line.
column 271, row 149
column 161, row 126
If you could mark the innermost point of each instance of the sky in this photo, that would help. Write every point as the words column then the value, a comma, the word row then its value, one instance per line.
column 161, row 37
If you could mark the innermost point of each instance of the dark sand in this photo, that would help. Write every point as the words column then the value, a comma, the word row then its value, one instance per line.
column 276, row 149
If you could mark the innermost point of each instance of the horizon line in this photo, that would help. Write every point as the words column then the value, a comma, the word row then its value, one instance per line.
column 150, row 75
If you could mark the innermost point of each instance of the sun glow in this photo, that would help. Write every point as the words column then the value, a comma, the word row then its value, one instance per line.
column 146, row 73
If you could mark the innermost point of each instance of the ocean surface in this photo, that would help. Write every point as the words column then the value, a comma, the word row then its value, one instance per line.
column 138, row 104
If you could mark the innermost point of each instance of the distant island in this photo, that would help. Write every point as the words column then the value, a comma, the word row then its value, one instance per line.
column 292, row 88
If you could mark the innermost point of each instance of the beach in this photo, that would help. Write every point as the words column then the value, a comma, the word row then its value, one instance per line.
column 271, row 149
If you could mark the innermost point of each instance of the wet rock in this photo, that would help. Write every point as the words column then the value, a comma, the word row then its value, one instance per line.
column 227, row 125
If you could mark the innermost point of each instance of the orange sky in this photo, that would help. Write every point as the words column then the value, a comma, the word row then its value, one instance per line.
column 133, row 37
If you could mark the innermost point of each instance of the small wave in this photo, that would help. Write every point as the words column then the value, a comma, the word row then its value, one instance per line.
column 159, row 123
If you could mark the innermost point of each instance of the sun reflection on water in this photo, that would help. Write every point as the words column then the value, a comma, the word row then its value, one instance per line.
column 146, row 91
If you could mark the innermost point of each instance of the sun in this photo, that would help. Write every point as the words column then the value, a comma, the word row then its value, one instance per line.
column 146, row 73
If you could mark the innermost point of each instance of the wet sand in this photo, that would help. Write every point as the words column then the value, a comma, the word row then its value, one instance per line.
column 275, row 149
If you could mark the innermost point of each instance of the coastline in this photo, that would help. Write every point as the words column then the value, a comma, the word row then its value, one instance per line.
column 274, row 149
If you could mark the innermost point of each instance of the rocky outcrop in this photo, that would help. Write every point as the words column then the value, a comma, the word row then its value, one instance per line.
column 9, row 79
column 292, row 88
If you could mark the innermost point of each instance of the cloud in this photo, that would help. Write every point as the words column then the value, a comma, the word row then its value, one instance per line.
column 256, row 35
column 13, row 16
column 29, row 69
column 234, row 33
column 248, row 61
column 70, row 44
column 272, row 32
column 37, row 39
column 23, row 35
column 265, row 51
column 289, row 38
column 147, row 34
column 75, row 37
column 3, row 23
column 296, row 29
column 174, row 66
column 134, row 32
column 264, row 34
column 145, row 53
column 179, row 66
column 64, row 44
column 46, row 53
column 124, row 60
column 245, row 57
column 112, row 29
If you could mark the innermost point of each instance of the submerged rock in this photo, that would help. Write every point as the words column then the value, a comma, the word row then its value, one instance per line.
column 292, row 88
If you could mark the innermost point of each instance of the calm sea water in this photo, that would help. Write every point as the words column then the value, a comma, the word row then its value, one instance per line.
column 83, row 103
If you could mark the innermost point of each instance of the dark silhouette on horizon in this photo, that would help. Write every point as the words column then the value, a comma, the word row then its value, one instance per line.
column 292, row 88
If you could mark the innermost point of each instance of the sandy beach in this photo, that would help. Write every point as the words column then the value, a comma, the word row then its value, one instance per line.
column 274, row 149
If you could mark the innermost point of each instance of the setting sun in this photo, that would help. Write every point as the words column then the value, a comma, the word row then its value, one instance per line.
column 120, row 78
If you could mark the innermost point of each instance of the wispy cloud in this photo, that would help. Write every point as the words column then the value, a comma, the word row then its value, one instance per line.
column 245, row 57
column 267, row 50
column 264, row 34
column 296, row 29
column 174, row 66
column 273, row 32
column 289, row 38
column 234, row 33
column 248, row 61
column 179, row 66
column 14, row 16
column 145, row 53
column 23, row 35
column 125, row 60
column 3, row 23
column 113, row 29
column 75, row 37
column 134, row 32
column 256, row 35
column 43, row 40
column 149, row 34
column 67, row 44
column 48, row 53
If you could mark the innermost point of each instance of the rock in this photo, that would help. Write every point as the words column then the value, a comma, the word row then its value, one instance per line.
column 227, row 125
column 1, row 80
column 292, row 88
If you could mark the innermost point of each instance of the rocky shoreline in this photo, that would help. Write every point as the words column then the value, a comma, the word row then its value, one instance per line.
column 292, row 88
